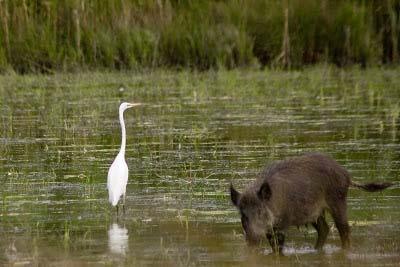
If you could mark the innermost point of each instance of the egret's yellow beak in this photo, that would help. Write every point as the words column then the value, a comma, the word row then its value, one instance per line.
column 131, row 105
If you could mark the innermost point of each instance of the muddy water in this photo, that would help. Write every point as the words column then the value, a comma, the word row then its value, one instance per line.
column 196, row 133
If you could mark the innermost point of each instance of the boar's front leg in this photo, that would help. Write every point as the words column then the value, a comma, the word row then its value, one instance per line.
column 322, row 229
column 276, row 239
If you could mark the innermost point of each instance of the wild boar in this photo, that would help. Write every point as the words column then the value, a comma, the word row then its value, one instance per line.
column 295, row 192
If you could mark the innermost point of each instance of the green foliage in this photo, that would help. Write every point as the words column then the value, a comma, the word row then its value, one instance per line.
column 215, row 42
column 46, row 36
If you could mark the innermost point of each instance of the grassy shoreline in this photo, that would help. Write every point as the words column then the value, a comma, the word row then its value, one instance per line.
column 48, row 36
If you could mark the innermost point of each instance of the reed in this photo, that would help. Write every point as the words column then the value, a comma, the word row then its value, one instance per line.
column 47, row 36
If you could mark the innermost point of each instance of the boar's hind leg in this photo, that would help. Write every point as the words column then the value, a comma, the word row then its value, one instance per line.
column 322, row 229
column 339, row 214
column 276, row 239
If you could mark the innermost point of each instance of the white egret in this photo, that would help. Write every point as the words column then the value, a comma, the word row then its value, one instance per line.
column 118, row 173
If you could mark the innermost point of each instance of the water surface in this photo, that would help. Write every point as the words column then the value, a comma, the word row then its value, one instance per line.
column 196, row 134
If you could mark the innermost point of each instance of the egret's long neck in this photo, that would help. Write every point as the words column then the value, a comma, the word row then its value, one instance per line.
column 123, row 141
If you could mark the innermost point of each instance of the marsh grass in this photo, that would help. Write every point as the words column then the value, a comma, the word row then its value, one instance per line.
column 37, row 36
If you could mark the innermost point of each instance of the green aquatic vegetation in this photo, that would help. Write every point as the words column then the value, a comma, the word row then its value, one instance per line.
column 394, row 115
column 196, row 133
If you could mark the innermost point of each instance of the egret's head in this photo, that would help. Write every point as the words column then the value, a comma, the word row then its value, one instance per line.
column 126, row 105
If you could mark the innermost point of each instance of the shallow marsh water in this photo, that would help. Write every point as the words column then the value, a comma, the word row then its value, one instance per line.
column 196, row 133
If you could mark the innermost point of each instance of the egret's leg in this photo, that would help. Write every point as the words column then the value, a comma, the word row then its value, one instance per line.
column 117, row 209
column 123, row 204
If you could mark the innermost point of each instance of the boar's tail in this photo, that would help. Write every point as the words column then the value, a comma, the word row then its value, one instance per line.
column 372, row 187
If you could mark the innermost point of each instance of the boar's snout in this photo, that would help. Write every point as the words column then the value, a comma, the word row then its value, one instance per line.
column 255, row 214
column 254, row 234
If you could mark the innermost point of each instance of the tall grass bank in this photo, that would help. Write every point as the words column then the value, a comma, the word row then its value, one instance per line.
column 67, row 35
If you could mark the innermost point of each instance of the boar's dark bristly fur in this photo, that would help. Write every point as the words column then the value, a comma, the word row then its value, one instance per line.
column 294, row 192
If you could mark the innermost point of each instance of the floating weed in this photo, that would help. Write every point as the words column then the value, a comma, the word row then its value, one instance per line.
column 177, row 256
column 66, row 235
column 394, row 114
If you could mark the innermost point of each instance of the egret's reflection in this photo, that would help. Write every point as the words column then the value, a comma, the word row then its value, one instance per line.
column 118, row 239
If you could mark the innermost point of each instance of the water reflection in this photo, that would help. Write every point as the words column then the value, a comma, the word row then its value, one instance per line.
column 11, row 253
column 118, row 239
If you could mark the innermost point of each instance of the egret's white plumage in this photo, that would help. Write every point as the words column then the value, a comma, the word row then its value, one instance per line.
column 118, row 173
column 117, row 179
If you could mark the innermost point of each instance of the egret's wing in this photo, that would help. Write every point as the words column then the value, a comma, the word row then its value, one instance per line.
column 117, row 179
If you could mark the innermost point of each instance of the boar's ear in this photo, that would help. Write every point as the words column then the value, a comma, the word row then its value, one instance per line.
column 235, row 195
column 265, row 192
